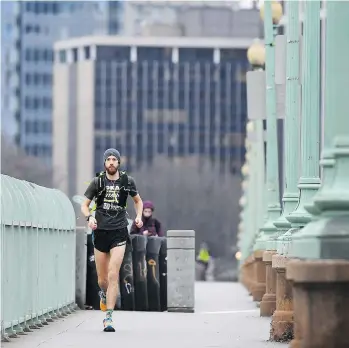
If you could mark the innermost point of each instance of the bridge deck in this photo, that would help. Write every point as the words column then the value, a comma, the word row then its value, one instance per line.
column 225, row 317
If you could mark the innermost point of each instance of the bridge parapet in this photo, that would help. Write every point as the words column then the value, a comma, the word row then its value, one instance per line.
column 37, row 256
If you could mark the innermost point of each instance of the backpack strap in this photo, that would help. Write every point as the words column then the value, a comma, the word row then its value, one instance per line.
column 123, row 193
column 100, row 182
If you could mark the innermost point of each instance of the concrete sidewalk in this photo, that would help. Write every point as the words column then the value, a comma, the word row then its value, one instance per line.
column 225, row 317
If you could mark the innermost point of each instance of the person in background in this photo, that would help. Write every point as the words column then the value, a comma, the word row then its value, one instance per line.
column 151, row 226
column 204, row 259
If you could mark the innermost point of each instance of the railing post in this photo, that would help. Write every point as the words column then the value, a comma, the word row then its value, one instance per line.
column 81, row 267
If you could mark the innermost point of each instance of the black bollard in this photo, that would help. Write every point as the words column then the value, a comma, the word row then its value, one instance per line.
column 92, row 288
column 163, row 274
column 139, row 245
column 153, row 279
column 126, row 280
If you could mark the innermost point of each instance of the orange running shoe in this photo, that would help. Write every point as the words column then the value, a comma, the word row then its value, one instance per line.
column 103, row 301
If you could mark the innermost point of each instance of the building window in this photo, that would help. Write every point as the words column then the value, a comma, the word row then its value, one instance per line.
column 29, row 6
column 47, row 103
column 28, row 54
column 47, row 55
column 195, row 54
column 36, row 103
column 113, row 27
column 36, row 79
column 47, row 127
column 28, row 28
column 154, row 54
column 36, row 54
column 27, row 126
column 47, row 79
column 35, row 126
column 27, row 79
column 113, row 53
column 55, row 8
column 87, row 53
column 75, row 55
column 27, row 103
column 62, row 56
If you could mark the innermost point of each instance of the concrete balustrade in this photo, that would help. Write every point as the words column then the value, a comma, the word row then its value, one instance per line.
column 37, row 256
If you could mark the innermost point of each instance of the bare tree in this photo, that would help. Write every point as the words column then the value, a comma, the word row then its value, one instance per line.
column 16, row 163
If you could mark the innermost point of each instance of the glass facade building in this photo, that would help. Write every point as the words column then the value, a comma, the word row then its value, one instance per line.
column 29, row 30
column 181, row 102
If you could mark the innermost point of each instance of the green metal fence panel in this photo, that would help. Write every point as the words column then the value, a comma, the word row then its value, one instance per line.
column 37, row 256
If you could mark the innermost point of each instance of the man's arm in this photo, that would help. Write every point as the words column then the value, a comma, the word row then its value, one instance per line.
column 136, row 197
column 134, row 229
column 85, row 207
column 90, row 193
column 138, row 206
column 137, row 201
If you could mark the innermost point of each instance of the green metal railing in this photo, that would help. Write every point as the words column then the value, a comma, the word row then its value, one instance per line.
column 37, row 256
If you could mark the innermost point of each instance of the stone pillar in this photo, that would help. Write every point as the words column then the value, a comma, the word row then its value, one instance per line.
column 258, row 289
column 181, row 271
column 321, row 303
column 268, row 304
column 282, row 320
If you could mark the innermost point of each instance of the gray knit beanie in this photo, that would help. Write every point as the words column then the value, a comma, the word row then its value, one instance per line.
column 111, row 152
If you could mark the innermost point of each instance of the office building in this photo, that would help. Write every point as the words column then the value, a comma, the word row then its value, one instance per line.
column 29, row 29
column 148, row 97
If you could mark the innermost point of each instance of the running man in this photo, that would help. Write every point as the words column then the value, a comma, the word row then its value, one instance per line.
column 110, row 190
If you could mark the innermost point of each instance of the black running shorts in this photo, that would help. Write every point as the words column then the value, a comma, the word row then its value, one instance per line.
column 105, row 240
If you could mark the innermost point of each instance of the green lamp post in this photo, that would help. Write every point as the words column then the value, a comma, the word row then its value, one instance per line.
column 255, row 135
column 271, row 13
column 291, row 124
column 282, row 319
column 321, row 274
column 309, row 180
column 327, row 236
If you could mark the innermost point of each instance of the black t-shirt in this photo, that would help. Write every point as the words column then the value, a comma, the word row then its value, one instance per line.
column 109, row 215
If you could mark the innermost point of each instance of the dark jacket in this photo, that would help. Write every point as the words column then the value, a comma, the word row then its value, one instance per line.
column 152, row 225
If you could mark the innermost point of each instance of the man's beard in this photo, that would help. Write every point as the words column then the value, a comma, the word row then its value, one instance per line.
column 111, row 170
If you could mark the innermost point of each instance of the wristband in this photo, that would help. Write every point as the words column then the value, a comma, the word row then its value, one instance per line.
column 88, row 218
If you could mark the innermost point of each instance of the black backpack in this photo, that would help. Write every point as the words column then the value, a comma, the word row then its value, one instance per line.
column 123, row 193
